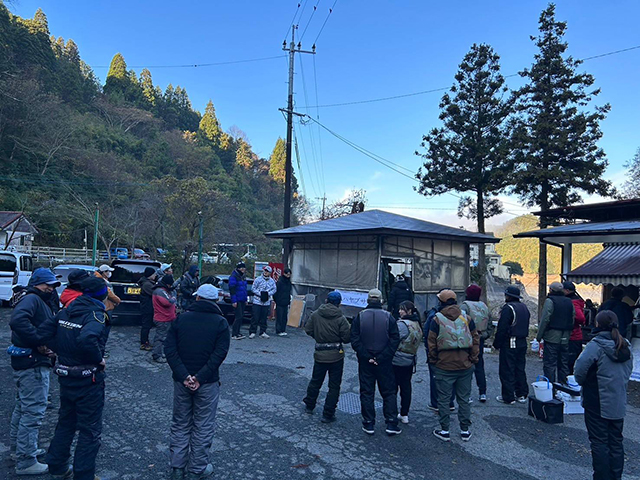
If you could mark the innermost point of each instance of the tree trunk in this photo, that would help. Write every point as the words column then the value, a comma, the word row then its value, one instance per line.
column 542, row 258
column 482, row 261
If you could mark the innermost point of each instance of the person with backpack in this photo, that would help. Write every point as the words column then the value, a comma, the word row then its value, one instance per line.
column 453, row 351
column 575, row 340
column 400, row 292
column 556, row 325
column 511, row 341
column 404, row 360
column 477, row 310
column 189, row 284
column 238, row 292
column 603, row 370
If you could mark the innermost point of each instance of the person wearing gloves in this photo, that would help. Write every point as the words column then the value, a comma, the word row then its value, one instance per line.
column 146, row 283
column 263, row 289
column 603, row 370
column 331, row 330
column 239, row 295
column 164, row 312
column 405, row 359
column 196, row 345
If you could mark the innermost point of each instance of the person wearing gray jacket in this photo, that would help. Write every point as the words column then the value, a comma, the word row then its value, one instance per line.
column 603, row 370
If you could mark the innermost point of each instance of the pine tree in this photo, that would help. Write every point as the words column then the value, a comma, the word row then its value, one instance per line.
column 209, row 126
column 631, row 187
column 244, row 155
column 41, row 21
column 148, row 90
column 277, row 161
column 556, row 137
column 117, row 77
column 71, row 52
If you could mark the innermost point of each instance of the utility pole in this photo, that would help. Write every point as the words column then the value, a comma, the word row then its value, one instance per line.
column 323, row 214
column 95, row 236
column 200, row 246
column 292, row 49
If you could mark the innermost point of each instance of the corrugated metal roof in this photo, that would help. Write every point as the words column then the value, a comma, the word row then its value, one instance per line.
column 587, row 228
column 380, row 222
column 618, row 264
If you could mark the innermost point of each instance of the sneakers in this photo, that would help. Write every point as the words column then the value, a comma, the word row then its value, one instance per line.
column 452, row 408
column 252, row 335
column 442, row 435
column 502, row 400
column 368, row 428
column 330, row 419
column 39, row 453
column 159, row 359
column 470, row 400
column 197, row 476
column 177, row 474
column 264, row 335
column 238, row 337
column 482, row 398
column 432, row 408
column 146, row 346
column 35, row 469
column 282, row 334
column 522, row 399
column 403, row 418
column 393, row 430
column 308, row 410
column 67, row 475
column 465, row 436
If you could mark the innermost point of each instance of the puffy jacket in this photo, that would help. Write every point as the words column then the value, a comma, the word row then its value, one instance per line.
column 78, row 335
column 146, row 291
column 508, row 326
column 188, row 286
column 283, row 291
column 622, row 311
column 604, row 374
column 27, row 316
column 198, row 342
column 403, row 359
column 580, row 319
column 370, row 338
column 400, row 292
column 68, row 296
column 461, row 359
column 328, row 325
column 238, row 287
column 112, row 300
column 262, row 284
column 164, row 304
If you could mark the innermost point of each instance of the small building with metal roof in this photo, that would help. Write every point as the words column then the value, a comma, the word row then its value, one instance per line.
column 358, row 252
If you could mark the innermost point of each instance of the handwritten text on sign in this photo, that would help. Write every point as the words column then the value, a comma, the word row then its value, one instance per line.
column 353, row 299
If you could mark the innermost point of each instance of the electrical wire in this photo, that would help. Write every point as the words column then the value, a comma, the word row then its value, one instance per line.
column 325, row 22
column 295, row 143
column 293, row 21
column 311, row 177
column 315, row 8
column 315, row 83
column 197, row 65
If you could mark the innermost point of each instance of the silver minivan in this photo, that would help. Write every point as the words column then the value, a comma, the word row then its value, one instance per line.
column 15, row 269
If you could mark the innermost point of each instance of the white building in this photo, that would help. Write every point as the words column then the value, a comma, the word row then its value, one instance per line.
column 15, row 230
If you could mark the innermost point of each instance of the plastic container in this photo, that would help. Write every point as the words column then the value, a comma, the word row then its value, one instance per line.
column 542, row 389
column 571, row 381
column 535, row 346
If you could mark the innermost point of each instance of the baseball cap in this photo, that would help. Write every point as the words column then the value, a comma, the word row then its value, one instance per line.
column 267, row 269
column 43, row 275
column 207, row 291
column 105, row 268
column 374, row 294
column 165, row 266
column 445, row 295
column 334, row 298
column 556, row 287
column 569, row 286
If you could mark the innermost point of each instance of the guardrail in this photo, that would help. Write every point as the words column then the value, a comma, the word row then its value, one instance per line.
column 55, row 254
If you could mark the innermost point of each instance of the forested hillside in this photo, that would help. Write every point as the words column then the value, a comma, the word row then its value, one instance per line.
column 143, row 154
column 525, row 250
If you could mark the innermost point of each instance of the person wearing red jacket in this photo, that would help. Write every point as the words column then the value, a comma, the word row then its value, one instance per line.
column 575, row 340
column 73, row 289
column 164, row 313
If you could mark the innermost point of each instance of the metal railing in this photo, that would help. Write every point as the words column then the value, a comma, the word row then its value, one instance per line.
column 55, row 254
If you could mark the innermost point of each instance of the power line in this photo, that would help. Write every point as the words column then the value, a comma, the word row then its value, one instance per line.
column 442, row 89
column 315, row 8
column 325, row 21
column 197, row 65
column 315, row 83
column 293, row 21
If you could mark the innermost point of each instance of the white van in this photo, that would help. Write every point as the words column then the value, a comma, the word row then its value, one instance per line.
column 15, row 269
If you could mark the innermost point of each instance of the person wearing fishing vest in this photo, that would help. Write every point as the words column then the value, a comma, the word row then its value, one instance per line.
column 375, row 339
column 404, row 360
column 556, row 324
column 78, row 335
column 477, row 310
column 511, row 341
column 575, row 340
column 31, row 363
column 330, row 329
column 453, row 350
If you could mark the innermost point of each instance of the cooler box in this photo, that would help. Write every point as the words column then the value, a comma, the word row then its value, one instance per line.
column 548, row 412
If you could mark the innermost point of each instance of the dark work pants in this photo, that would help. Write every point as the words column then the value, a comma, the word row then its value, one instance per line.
column 481, row 378
column 80, row 410
column 147, row 325
column 381, row 374
column 403, row 385
column 575, row 349
column 513, row 376
column 607, row 450
column 556, row 357
column 282, row 315
column 320, row 371
column 239, row 316
column 433, row 389
column 259, row 317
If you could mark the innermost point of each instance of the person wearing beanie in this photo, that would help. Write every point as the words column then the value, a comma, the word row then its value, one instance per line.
column 511, row 341
column 146, row 283
column 78, row 335
column 621, row 309
column 453, row 350
column 73, row 289
column 331, row 330
column 477, row 310
column 556, row 324
column 31, row 363
column 575, row 340
column 164, row 312
column 282, row 299
column 375, row 339
column 189, row 283
column 238, row 291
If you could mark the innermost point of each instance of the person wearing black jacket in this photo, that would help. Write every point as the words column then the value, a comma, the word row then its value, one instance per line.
column 31, row 363
column 282, row 297
column 196, row 345
column 621, row 309
column 146, row 282
column 400, row 292
column 511, row 340
column 375, row 339
column 78, row 335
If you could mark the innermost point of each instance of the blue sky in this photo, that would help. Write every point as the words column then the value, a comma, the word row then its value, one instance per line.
column 367, row 50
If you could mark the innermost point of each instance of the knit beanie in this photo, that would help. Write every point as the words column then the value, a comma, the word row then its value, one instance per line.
column 473, row 292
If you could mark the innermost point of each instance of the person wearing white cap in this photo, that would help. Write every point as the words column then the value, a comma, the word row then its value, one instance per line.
column 263, row 289
column 112, row 300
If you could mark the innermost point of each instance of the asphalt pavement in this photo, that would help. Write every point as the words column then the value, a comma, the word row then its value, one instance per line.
column 263, row 432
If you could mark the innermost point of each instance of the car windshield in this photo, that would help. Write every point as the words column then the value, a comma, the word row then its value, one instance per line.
column 128, row 273
column 64, row 272
column 7, row 263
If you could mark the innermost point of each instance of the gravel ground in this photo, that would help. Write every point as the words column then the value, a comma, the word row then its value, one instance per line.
column 263, row 433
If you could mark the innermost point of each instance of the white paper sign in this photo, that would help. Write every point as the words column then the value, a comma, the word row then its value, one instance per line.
column 353, row 299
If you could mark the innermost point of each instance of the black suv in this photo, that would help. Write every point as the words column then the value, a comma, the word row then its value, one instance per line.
column 124, row 281
column 224, row 302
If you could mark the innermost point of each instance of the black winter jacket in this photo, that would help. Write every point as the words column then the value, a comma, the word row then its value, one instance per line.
column 388, row 336
column 283, row 291
column 146, row 293
column 28, row 314
column 507, row 328
column 198, row 342
column 400, row 292
column 78, row 335
column 622, row 311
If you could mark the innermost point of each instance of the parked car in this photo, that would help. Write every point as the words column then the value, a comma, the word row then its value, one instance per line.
column 224, row 301
column 124, row 281
column 140, row 254
column 64, row 269
column 15, row 269
column 115, row 252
